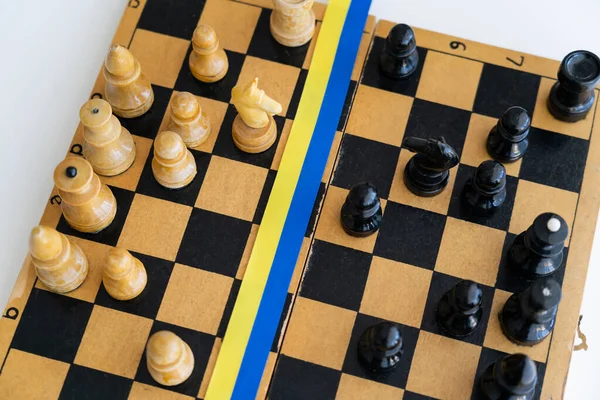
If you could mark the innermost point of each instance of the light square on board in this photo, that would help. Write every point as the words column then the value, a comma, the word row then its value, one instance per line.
column 533, row 199
column 443, row 367
column 544, row 120
column 96, row 255
column 396, row 292
column 379, row 115
column 329, row 227
column 277, row 80
column 318, row 333
column 233, row 22
column 140, row 391
column 299, row 268
column 215, row 111
column 28, row 376
column 400, row 193
column 354, row 388
column 130, row 178
column 333, row 152
column 195, row 299
column 160, row 56
column 231, row 188
column 117, row 350
column 265, row 381
column 154, row 227
column 470, row 251
column 241, row 270
column 475, row 152
column 495, row 338
column 449, row 80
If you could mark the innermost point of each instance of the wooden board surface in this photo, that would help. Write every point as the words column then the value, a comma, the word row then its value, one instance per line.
column 426, row 245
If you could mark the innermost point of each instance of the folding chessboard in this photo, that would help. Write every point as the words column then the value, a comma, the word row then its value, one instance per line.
column 426, row 245
column 195, row 243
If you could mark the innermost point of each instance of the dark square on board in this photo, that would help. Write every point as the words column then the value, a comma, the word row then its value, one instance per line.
column 147, row 303
column 87, row 383
column 554, row 159
column 363, row 160
column 233, row 293
column 201, row 345
column 174, row 18
column 221, row 90
column 147, row 125
column 511, row 281
column 432, row 120
column 442, row 283
column 110, row 234
column 346, row 107
column 500, row 88
column 48, row 319
column 284, row 313
column 264, row 46
column 213, row 242
column 298, row 89
column 225, row 147
column 461, row 210
column 315, row 211
column 373, row 76
column 399, row 375
column 295, row 379
column 489, row 357
column 410, row 235
column 264, row 197
column 336, row 275
column 415, row 396
column 186, row 195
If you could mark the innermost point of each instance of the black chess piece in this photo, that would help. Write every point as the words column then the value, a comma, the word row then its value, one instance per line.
column 426, row 173
column 380, row 347
column 528, row 317
column 539, row 250
column 486, row 191
column 513, row 377
column 572, row 97
column 507, row 141
column 361, row 213
column 399, row 58
column 459, row 310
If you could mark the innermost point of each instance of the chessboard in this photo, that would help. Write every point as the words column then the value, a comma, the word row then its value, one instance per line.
column 195, row 243
column 424, row 246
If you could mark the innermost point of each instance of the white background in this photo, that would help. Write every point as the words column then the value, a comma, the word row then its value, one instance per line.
column 51, row 52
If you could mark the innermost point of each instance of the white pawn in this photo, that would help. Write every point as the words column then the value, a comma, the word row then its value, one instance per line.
column 59, row 263
column 293, row 22
column 124, row 275
column 188, row 119
column 208, row 61
column 169, row 359
column 173, row 164
column 107, row 145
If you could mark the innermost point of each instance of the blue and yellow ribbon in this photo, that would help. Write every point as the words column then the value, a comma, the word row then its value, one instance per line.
column 259, row 304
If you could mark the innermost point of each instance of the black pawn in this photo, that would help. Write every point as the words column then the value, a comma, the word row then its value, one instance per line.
column 572, row 97
column 486, row 191
column 399, row 58
column 426, row 173
column 507, row 141
column 380, row 347
column 538, row 251
column 512, row 377
column 528, row 317
column 459, row 311
column 361, row 213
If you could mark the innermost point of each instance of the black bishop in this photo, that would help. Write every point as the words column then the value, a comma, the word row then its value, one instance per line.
column 507, row 141
column 399, row 58
column 528, row 317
